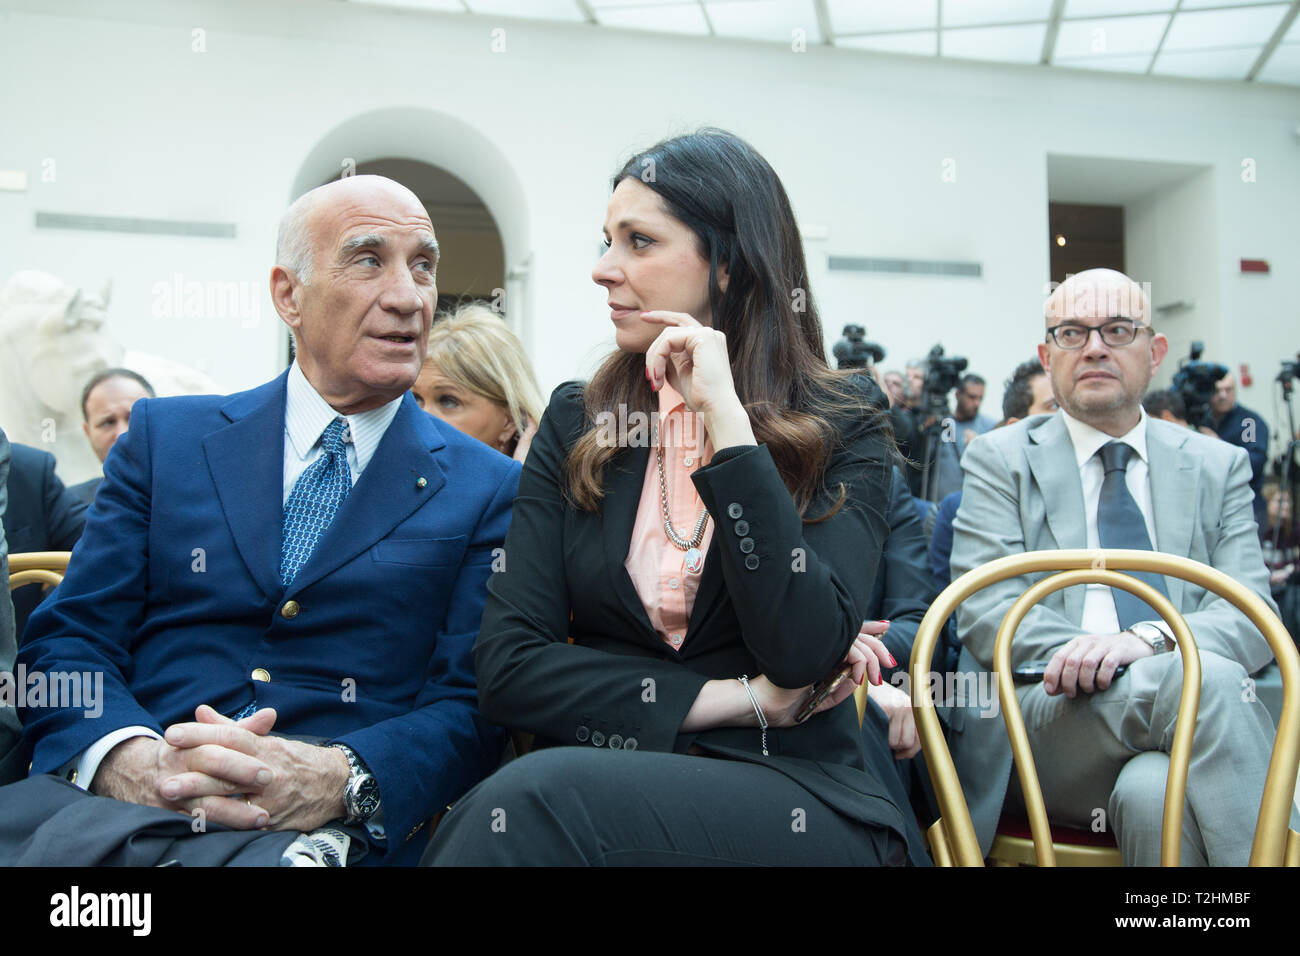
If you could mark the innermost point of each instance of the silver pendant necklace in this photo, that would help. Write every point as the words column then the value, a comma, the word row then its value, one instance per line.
column 694, row 559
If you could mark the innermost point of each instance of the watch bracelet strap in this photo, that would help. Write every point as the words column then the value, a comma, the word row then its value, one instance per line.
column 356, row 769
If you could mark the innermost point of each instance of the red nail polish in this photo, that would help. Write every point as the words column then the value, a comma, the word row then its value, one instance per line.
column 892, row 662
column 647, row 373
column 879, row 680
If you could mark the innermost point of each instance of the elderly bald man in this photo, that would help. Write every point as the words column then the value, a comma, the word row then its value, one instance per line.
column 1103, row 474
column 281, row 589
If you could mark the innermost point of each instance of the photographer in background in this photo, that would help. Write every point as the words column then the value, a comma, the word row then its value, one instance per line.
column 940, row 460
column 853, row 351
column 913, row 383
column 1238, row 425
column 969, row 395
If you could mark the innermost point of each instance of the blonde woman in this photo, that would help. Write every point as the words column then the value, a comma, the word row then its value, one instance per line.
column 477, row 378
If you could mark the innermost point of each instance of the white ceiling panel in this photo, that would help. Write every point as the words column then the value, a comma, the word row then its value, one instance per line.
column 1109, row 36
column 774, row 20
column 452, row 6
column 1074, row 9
column 531, row 9
column 1283, row 66
column 923, row 42
column 1201, row 4
column 1126, row 63
column 601, row 4
column 971, row 13
column 1015, row 44
column 687, row 18
column 1206, row 29
column 1207, row 64
column 869, row 16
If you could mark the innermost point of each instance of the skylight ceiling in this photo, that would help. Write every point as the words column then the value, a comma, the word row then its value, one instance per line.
column 1243, row 40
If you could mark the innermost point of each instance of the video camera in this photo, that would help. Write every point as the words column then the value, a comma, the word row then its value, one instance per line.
column 1195, row 381
column 942, row 375
column 852, row 352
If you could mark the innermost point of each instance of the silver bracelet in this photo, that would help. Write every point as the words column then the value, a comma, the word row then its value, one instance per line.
column 762, row 717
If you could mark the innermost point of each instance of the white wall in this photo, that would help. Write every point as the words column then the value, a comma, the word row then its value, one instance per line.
column 1170, row 241
column 140, row 125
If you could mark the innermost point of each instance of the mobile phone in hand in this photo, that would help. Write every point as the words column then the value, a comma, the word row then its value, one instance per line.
column 821, row 691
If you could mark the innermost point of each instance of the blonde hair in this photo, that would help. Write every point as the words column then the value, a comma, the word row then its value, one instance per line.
column 474, row 348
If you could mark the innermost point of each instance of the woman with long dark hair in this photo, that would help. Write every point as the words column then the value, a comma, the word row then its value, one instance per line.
column 696, row 532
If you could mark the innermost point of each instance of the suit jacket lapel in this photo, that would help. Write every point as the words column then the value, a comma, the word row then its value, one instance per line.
column 387, row 492
column 246, row 461
column 1051, row 461
column 623, row 480
column 1174, row 476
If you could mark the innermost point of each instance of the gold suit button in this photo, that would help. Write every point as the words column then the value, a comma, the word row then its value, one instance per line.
column 290, row 610
column 262, row 674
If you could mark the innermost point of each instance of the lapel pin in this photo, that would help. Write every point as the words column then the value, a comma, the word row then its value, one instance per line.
column 420, row 482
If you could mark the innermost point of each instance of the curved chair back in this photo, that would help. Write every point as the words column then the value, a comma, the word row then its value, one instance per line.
column 953, row 837
column 45, row 567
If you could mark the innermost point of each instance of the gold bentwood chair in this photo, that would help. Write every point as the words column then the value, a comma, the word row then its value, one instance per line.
column 33, row 567
column 952, row 838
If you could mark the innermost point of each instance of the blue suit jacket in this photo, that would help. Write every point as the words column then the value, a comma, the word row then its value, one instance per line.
column 174, row 593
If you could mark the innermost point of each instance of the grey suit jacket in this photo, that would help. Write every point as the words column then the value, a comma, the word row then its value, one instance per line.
column 1022, row 493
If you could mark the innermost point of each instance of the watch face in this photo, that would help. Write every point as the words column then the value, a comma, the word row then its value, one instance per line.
column 365, row 796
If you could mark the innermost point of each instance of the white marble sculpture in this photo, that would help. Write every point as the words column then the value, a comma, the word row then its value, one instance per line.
column 53, row 339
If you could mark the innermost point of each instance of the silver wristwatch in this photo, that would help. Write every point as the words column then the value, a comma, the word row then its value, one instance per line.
column 361, row 794
column 1151, row 634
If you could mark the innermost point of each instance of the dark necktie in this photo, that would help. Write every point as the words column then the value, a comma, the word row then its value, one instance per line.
column 313, row 502
column 1120, row 525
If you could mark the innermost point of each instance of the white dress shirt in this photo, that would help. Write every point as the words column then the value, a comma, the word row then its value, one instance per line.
column 306, row 416
column 1099, row 615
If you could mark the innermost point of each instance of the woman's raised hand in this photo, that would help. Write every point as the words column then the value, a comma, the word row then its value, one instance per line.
column 693, row 359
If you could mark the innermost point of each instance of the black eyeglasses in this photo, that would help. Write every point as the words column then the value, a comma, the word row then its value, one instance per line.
column 1116, row 333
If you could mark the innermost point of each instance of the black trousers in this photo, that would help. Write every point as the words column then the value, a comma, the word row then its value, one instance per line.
column 575, row 806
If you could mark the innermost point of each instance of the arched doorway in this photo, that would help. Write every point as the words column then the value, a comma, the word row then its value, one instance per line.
column 474, row 198
column 472, row 263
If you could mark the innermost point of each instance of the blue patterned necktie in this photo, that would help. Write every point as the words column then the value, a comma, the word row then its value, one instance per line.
column 315, row 499
column 1120, row 525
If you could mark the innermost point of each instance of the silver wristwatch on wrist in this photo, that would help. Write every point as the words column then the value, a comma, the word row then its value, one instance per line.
column 1150, row 634
column 361, row 794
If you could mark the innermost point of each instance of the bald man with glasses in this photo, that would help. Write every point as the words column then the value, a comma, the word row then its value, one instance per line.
column 1103, row 475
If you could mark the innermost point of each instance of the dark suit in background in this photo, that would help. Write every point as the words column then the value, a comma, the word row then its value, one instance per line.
column 902, row 594
column 11, row 766
column 42, row 515
column 85, row 491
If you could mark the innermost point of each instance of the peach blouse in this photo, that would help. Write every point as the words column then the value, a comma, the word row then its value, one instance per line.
column 657, row 567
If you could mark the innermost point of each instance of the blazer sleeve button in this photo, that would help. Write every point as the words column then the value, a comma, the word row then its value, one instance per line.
column 734, row 510
column 597, row 739
column 582, row 734
column 746, row 546
column 615, row 741
column 629, row 743
column 742, row 528
column 751, row 562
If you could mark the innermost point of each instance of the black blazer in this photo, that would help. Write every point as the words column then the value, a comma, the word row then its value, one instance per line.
column 42, row 516
column 791, row 615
